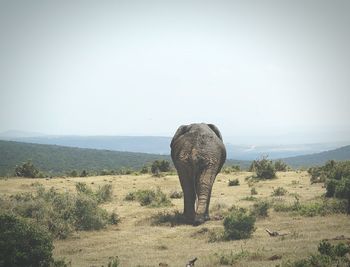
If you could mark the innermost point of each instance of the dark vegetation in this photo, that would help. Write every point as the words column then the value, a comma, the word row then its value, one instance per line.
column 264, row 168
column 149, row 197
column 238, row 224
column 25, row 244
column 234, row 182
column 57, row 160
column 61, row 213
column 328, row 255
column 336, row 176
column 321, row 206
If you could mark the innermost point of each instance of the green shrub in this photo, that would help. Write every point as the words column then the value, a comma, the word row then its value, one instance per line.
column 260, row 209
column 84, row 173
column 88, row 215
column 281, row 166
column 264, row 168
column 114, row 262
column 234, row 182
column 104, row 193
column 59, row 213
column 231, row 169
column 145, row 169
column 337, row 179
column 149, row 197
column 146, row 197
column 239, row 224
column 249, row 198
column 160, row 166
column 232, row 258
column 83, row 188
column 23, row 244
column 27, row 169
column 329, row 255
column 310, row 209
column 279, row 191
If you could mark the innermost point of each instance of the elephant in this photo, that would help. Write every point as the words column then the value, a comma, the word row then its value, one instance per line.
column 198, row 154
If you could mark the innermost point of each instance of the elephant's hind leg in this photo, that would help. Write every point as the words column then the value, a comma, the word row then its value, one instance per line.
column 204, row 186
column 188, row 188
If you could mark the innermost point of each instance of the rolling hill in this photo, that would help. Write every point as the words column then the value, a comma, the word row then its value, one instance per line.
column 58, row 160
column 342, row 153
column 161, row 145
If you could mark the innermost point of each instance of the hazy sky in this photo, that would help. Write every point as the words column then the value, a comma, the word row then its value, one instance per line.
column 262, row 71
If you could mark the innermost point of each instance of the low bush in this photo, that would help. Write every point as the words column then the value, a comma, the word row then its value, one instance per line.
column 279, row 191
column 160, row 166
column 232, row 258
column 264, row 168
column 239, row 224
column 103, row 194
column 234, row 182
column 249, row 198
column 27, row 170
column 329, row 255
column 321, row 207
column 260, row 209
column 336, row 176
column 231, row 169
column 149, row 198
column 59, row 213
column 23, row 244
column 281, row 166
column 88, row 216
column 114, row 262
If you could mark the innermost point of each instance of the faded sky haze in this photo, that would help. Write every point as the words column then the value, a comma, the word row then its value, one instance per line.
column 262, row 71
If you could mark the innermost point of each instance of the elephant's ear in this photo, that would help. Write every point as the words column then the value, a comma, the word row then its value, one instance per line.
column 182, row 129
column 215, row 130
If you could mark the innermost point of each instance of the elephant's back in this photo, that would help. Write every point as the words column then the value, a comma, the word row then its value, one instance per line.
column 197, row 144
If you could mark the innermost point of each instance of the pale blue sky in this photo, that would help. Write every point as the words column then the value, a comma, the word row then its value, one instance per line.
column 262, row 71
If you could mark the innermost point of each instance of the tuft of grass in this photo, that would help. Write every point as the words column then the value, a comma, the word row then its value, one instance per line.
column 253, row 191
column 279, row 191
column 176, row 194
column 249, row 198
column 234, row 182
column 167, row 218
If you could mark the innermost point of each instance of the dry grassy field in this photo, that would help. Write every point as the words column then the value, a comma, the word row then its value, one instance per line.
column 138, row 243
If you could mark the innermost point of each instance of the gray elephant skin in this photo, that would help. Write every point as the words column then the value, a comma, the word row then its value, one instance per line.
column 198, row 153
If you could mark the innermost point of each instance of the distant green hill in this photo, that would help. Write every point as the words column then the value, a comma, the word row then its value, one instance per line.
column 59, row 160
column 339, row 154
